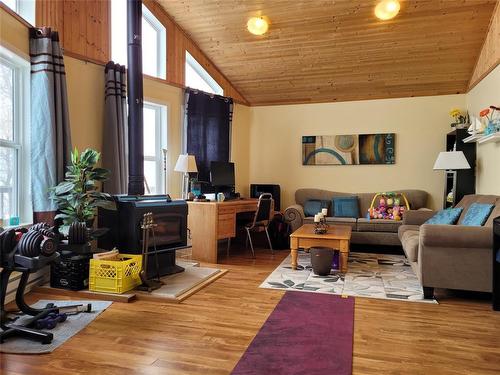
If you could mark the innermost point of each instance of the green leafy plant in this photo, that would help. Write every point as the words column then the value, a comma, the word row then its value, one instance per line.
column 78, row 197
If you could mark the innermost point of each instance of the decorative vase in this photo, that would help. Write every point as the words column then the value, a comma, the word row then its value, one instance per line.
column 321, row 260
column 490, row 128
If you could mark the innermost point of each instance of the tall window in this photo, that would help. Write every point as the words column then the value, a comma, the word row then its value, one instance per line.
column 155, row 141
column 198, row 78
column 25, row 8
column 154, row 40
column 14, row 152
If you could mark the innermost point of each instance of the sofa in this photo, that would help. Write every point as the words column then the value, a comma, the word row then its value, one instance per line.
column 364, row 231
column 451, row 256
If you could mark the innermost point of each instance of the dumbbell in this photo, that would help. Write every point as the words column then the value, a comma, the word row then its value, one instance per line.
column 33, row 243
column 50, row 321
column 78, row 234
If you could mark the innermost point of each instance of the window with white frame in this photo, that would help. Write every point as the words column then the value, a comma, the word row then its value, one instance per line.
column 154, row 40
column 25, row 8
column 197, row 77
column 155, row 141
column 15, row 187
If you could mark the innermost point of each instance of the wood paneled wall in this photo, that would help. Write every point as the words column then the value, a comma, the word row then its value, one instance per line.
column 85, row 32
column 489, row 57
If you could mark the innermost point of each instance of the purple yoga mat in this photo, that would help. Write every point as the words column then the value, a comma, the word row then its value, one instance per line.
column 307, row 334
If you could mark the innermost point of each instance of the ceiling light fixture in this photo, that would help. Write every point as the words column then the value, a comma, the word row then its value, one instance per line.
column 387, row 9
column 257, row 25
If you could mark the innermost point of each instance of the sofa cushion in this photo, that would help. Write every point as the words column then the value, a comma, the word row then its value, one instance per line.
column 313, row 206
column 378, row 225
column 345, row 207
column 477, row 214
column 409, row 240
column 448, row 216
column 349, row 221
column 467, row 200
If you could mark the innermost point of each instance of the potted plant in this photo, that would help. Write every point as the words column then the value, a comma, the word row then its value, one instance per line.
column 78, row 196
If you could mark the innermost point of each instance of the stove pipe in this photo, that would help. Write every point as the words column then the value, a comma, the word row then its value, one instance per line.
column 135, row 98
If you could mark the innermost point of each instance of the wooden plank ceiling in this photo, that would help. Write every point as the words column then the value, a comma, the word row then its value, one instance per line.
column 337, row 50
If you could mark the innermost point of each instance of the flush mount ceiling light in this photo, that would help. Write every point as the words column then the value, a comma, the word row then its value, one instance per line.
column 257, row 25
column 387, row 9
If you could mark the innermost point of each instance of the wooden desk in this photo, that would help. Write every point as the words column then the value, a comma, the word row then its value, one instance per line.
column 213, row 221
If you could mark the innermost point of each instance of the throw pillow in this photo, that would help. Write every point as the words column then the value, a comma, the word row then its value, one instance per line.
column 449, row 216
column 346, row 207
column 477, row 214
column 313, row 206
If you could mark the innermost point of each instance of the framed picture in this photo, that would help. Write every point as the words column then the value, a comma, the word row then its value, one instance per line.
column 348, row 149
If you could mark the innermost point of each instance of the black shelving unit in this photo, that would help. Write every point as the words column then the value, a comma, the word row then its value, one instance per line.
column 496, row 264
column 466, row 178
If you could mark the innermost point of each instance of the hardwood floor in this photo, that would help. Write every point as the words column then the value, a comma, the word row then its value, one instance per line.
column 207, row 333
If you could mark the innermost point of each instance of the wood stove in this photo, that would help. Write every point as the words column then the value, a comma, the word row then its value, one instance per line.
column 170, row 216
column 126, row 234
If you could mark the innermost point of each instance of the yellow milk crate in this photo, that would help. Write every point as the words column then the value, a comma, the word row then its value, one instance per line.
column 115, row 276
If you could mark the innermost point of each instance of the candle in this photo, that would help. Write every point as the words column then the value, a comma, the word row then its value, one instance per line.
column 324, row 211
column 316, row 218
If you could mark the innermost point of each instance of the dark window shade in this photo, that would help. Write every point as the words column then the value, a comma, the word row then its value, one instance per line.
column 208, row 131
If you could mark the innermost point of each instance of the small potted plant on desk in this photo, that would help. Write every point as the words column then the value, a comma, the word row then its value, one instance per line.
column 77, row 199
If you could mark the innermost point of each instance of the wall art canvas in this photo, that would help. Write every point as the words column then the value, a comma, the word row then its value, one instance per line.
column 348, row 149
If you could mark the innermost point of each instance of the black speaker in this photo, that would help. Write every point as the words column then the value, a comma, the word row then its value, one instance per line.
column 257, row 189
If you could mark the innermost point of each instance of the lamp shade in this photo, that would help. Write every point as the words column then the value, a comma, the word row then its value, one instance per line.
column 186, row 163
column 450, row 160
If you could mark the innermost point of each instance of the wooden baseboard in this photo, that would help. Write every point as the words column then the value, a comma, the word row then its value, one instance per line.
column 86, row 294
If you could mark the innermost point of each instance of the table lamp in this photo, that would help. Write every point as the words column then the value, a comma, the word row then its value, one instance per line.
column 185, row 164
column 450, row 161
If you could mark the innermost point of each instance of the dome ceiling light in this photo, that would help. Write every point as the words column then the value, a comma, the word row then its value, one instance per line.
column 387, row 9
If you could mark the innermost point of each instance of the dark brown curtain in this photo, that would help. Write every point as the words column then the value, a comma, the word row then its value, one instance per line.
column 50, row 130
column 208, row 129
column 114, row 152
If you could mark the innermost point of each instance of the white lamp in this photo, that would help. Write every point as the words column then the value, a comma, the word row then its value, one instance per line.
column 185, row 164
column 450, row 161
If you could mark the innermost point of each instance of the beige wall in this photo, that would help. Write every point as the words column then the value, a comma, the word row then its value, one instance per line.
column 420, row 125
column 484, row 94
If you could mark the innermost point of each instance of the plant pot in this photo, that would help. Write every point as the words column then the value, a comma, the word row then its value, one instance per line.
column 321, row 260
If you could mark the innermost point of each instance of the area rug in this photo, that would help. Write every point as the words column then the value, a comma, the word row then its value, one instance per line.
column 369, row 275
column 62, row 332
column 305, row 334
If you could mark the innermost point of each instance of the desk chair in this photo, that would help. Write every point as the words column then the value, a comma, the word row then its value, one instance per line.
column 261, row 219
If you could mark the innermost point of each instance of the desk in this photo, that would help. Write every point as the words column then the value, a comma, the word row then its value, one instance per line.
column 213, row 221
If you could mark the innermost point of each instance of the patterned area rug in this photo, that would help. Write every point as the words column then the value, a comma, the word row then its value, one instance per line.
column 369, row 275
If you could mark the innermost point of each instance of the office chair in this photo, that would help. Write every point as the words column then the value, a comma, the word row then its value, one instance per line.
column 261, row 220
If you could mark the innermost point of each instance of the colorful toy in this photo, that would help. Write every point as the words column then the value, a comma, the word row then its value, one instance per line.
column 389, row 206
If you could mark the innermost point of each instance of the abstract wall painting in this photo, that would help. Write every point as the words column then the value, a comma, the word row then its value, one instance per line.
column 349, row 149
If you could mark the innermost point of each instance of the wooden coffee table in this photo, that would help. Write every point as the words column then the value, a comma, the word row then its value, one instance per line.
column 337, row 237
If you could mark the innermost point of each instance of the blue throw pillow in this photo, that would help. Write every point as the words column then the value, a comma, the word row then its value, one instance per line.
column 313, row 206
column 477, row 214
column 449, row 216
column 346, row 207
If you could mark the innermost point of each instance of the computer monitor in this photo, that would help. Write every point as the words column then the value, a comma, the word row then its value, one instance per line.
column 222, row 173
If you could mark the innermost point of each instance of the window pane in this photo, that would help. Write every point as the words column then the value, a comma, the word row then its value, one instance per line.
column 6, row 103
column 11, row 4
column 195, row 81
column 8, row 165
column 149, row 49
column 149, row 131
column 119, row 32
column 150, row 176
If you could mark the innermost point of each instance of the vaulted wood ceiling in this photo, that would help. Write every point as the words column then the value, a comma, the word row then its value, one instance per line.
column 337, row 50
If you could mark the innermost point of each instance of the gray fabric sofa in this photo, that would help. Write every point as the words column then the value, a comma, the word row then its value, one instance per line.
column 364, row 231
column 450, row 256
